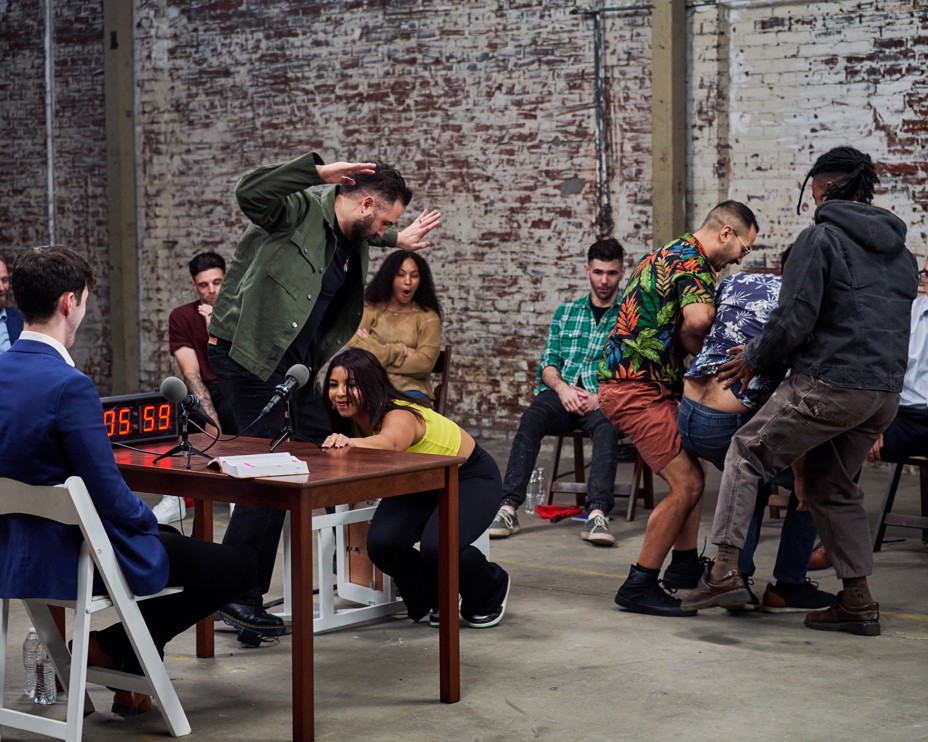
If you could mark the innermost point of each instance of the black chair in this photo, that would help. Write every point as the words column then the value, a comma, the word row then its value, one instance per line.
column 887, row 517
column 442, row 370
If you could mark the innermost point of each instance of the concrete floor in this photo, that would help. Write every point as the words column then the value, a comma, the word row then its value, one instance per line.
column 566, row 664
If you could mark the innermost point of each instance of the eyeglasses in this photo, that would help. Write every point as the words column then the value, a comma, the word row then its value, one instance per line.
column 746, row 248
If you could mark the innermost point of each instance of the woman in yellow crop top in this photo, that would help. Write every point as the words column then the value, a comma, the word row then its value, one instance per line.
column 367, row 411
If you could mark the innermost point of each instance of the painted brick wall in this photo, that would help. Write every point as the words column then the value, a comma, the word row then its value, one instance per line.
column 78, row 145
column 488, row 109
column 802, row 78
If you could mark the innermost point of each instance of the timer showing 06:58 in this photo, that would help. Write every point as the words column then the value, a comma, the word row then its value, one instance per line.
column 139, row 417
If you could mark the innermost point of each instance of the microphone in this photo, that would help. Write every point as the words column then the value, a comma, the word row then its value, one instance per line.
column 297, row 376
column 175, row 390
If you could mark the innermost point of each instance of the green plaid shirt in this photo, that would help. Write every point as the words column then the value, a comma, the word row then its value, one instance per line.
column 575, row 343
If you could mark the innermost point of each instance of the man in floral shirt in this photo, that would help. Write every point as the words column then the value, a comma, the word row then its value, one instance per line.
column 666, row 311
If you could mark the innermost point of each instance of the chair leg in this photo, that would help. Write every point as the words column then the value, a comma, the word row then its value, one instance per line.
column 4, row 630
column 923, row 487
column 887, row 505
column 579, row 469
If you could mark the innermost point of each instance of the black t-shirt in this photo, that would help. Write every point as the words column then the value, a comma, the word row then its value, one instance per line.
column 333, row 280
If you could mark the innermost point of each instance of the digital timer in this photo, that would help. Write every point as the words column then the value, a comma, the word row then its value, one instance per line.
column 146, row 416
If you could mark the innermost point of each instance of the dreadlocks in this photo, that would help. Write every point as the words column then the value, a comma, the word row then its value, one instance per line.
column 857, row 171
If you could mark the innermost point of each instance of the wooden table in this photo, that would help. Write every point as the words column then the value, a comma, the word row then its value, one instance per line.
column 335, row 477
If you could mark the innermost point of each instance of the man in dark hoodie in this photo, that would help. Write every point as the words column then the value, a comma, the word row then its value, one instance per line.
column 843, row 324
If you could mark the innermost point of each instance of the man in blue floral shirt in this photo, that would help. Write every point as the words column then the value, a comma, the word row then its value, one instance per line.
column 710, row 415
column 566, row 397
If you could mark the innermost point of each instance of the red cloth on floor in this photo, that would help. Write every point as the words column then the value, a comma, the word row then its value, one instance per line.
column 554, row 513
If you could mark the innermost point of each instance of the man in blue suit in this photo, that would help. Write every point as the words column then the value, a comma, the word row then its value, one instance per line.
column 11, row 321
column 51, row 427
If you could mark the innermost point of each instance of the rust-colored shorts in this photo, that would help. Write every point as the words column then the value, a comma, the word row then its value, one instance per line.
column 646, row 412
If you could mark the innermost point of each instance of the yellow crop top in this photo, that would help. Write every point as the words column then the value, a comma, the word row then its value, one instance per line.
column 442, row 436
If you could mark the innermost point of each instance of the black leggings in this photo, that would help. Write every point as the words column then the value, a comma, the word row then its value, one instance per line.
column 400, row 522
column 211, row 575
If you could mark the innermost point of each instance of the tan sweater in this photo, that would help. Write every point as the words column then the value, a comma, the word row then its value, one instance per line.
column 390, row 333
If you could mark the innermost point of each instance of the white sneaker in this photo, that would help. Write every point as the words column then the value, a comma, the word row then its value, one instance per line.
column 170, row 509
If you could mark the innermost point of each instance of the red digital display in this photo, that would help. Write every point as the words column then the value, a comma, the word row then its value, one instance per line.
column 139, row 417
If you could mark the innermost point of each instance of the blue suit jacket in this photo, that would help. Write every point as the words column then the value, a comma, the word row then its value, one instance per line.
column 14, row 324
column 51, row 427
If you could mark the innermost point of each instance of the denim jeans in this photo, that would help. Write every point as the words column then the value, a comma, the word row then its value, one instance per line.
column 907, row 435
column 547, row 416
column 834, row 427
column 256, row 529
column 707, row 433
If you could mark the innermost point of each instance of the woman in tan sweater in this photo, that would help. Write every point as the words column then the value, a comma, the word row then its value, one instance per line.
column 401, row 325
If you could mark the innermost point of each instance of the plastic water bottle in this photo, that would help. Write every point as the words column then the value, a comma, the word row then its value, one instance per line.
column 535, row 492
column 540, row 490
column 529, row 504
column 32, row 651
column 45, row 691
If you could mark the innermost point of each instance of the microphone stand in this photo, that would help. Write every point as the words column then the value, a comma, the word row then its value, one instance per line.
column 288, row 430
column 184, row 446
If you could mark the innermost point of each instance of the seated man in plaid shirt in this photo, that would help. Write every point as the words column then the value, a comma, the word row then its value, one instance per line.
column 565, row 398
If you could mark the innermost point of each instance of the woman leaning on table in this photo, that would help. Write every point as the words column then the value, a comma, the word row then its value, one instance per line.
column 367, row 411
column 401, row 325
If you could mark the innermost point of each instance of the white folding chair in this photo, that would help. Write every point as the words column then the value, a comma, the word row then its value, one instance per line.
column 70, row 504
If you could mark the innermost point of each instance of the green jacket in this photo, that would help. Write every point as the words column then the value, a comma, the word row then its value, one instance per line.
column 276, row 273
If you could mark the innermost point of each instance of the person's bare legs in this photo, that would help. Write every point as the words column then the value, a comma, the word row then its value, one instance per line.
column 675, row 520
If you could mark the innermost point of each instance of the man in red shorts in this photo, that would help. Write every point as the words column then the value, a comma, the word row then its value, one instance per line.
column 667, row 309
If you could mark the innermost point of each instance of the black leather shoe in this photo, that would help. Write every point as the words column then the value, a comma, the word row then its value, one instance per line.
column 254, row 617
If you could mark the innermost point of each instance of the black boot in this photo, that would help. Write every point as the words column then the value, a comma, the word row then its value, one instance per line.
column 641, row 593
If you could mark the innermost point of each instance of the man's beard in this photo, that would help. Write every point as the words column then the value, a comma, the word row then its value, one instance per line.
column 361, row 229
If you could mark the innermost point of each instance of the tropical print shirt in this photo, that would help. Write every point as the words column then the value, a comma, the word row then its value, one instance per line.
column 743, row 306
column 643, row 343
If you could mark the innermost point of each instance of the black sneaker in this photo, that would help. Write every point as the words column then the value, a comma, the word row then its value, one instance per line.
column 641, row 593
column 490, row 619
column 787, row 598
column 746, row 607
column 684, row 574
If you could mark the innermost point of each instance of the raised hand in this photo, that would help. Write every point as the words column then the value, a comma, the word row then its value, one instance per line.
column 339, row 173
column 411, row 237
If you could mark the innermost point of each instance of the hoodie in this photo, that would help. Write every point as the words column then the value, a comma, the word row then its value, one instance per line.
column 844, row 308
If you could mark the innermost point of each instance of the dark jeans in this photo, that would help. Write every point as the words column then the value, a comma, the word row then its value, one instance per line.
column 547, row 416
column 211, row 575
column 399, row 522
column 907, row 435
column 707, row 433
column 253, row 528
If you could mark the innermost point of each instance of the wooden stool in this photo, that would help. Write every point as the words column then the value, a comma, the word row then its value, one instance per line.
column 887, row 517
column 642, row 478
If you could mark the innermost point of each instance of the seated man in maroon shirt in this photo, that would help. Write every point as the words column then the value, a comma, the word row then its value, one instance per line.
column 187, row 337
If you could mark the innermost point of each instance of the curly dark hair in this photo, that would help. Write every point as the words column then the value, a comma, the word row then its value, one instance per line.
column 380, row 289
column 857, row 169
column 376, row 392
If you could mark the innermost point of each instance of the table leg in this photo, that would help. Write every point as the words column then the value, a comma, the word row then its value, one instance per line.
column 203, row 530
column 301, row 575
column 449, row 648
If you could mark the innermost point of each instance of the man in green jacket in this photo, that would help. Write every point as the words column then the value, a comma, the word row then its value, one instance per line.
column 294, row 294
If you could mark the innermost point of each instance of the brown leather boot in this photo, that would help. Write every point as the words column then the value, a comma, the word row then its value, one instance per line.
column 127, row 703
column 861, row 620
column 819, row 558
